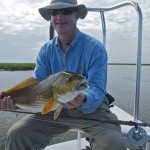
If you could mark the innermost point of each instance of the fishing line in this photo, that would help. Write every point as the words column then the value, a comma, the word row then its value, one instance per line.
column 137, row 136
column 65, row 123
column 58, row 122
column 117, row 122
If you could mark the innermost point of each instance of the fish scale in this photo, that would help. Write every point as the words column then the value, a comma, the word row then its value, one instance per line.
column 41, row 96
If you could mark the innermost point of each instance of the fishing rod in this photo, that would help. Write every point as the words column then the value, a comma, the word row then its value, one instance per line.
column 137, row 136
column 117, row 122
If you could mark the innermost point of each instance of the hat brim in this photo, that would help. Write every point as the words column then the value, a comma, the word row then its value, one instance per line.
column 44, row 11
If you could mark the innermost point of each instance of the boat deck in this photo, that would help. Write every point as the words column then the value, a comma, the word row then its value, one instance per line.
column 121, row 114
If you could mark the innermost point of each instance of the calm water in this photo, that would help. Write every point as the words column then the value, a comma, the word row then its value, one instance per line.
column 121, row 84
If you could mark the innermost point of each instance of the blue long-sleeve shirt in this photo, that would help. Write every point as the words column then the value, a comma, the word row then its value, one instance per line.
column 86, row 56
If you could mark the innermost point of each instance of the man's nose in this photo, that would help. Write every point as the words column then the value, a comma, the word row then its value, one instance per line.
column 59, row 14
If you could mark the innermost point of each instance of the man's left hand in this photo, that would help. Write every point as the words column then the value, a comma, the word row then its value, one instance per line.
column 75, row 103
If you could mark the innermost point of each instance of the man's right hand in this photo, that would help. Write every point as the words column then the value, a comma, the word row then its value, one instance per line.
column 6, row 103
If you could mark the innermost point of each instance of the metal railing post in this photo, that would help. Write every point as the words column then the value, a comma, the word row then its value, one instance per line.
column 147, row 146
column 79, row 140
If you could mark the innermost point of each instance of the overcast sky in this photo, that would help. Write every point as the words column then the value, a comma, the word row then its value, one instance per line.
column 23, row 31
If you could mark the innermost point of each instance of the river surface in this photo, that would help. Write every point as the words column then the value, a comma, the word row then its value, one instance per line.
column 121, row 84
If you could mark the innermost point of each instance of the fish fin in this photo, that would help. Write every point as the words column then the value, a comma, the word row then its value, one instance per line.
column 30, row 81
column 49, row 106
column 57, row 112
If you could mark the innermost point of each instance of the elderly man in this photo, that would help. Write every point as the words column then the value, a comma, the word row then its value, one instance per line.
column 73, row 51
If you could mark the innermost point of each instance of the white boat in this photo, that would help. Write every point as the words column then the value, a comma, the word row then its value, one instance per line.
column 81, row 143
column 141, row 136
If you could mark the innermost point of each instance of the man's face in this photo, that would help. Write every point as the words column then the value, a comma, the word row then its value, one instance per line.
column 64, row 21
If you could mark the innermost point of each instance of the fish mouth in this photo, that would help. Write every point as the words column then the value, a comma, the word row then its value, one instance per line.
column 82, row 86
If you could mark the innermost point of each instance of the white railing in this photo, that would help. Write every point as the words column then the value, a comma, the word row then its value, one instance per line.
column 139, row 51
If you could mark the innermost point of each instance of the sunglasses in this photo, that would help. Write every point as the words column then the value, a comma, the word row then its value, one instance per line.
column 66, row 11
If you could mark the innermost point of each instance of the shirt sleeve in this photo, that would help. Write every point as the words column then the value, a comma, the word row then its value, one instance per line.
column 97, row 78
column 41, row 69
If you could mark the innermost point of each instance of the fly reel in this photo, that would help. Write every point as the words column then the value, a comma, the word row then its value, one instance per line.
column 137, row 136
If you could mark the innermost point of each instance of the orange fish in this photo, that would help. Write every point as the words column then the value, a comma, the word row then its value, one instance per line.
column 41, row 96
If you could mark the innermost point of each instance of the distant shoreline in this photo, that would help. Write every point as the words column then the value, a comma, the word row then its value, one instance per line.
column 16, row 66
column 30, row 66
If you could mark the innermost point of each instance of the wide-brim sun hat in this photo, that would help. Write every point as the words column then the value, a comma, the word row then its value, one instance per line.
column 61, row 4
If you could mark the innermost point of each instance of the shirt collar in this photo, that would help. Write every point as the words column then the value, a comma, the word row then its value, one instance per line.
column 76, row 39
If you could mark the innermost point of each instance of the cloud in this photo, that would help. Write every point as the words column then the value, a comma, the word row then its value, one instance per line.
column 22, row 26
column 121, row 32
column 19, row 15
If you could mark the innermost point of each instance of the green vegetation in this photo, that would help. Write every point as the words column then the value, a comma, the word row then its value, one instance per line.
column 30, row 66
column 17, row 66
